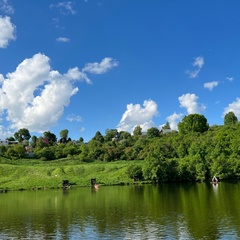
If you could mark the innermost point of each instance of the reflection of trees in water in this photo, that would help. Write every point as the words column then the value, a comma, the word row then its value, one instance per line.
column 192, row 210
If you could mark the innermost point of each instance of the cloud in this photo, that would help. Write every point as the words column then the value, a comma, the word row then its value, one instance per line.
column 82, row 129
column 7, row 31
column 189, row 101
column 174, row 120
column 230, row 79
column 136, row 115
column 1, row 79
column 34, row 96
column 210, row 85
column 99, row 68
column 233, row 107
column 6, row 7
column 5, row 132
column 65, row 8
column 63, row 39
column 198, row 64
column 74, row 118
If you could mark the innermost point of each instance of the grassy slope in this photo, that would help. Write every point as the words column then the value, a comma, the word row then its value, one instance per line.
column 35, row 174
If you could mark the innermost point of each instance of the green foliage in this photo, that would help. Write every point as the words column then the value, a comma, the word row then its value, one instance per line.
column 46, row 152
column 230, row 118
column 195, row 153
column 166, row 126
column 64, row 133
column 193, row 123
column 98, row 137
column 22, row 134
column 52, row 139
column 137, row 131
column 41, row 143
column 135, row 171
column 153, row 132
column 110, row 134
column 19, row 150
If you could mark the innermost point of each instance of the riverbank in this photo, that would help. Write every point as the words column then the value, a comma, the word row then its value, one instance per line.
column 26, row 174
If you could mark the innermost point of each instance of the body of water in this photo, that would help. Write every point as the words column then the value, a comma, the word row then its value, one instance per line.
column 167, row 211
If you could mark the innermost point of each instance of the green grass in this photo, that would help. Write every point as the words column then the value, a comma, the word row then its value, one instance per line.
column 36, row 174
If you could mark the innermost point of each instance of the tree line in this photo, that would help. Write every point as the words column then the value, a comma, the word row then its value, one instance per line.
column 195, row 152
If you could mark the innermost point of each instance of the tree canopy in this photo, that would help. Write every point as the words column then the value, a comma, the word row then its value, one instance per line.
column 193, row 123
column 22, row 134
column 230, row 118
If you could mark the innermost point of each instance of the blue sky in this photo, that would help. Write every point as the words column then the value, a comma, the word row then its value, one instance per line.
column 93, row 65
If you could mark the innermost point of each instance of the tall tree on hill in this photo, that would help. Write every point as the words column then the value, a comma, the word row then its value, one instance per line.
column 64, row 136
column 137, row 131
column 193, row 123
column 22, row 134
column 230, row 118
column 52, row 139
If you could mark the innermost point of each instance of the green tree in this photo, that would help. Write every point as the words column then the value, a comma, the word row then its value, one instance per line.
column 110, row 134
column 22, row 134
column 98, row 137
column 33, row 141
column 155, row 167
column 166, row 126
column 193, row 123
column 125, row 135
column 230, row 118
column 10, row 139
column 52, row 139
column 64, row 134
column 137, row 131
column 46, row 153
column 3, row 150
column 19, row 150
column 153, row 132
column 135, row 171
column 41, row 143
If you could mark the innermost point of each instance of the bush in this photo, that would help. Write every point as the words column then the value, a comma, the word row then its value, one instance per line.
column 135, row 171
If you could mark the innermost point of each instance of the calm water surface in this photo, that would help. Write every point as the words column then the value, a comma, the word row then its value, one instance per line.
column 168, row 211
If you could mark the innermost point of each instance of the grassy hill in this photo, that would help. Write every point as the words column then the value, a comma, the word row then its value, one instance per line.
column 36, row 174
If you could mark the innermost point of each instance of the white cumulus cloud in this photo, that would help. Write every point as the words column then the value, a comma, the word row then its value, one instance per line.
column 233, row 107
column 34, row 96
column 137, row 115
column 99, row 68
column 7, row 31
column 210, row 85
column 173, row 120
column 189, row 101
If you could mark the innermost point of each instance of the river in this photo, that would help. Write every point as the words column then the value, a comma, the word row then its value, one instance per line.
column 166, row 211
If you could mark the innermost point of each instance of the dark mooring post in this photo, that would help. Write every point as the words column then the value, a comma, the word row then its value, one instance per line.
column 65, row 183
column 93, row 181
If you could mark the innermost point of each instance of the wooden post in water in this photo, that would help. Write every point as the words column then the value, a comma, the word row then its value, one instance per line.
column 93, row 181
column 65, row 183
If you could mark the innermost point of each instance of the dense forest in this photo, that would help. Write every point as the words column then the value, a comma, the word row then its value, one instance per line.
column 195, row 152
